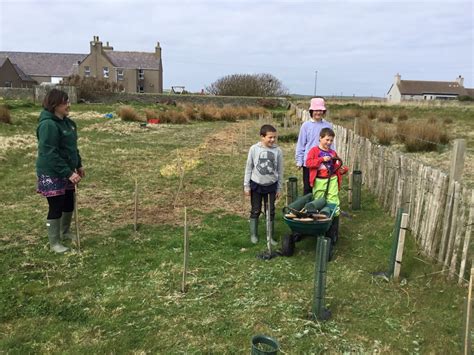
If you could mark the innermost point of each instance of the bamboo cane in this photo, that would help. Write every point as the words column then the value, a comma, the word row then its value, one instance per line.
column 135, row 212
column 186, row 252
column 76, row 220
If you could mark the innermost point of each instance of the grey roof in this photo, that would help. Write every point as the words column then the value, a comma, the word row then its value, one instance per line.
column 21, row 74
column 45, row 64
column 2, row 60
column 418, row 87
column 133, row 60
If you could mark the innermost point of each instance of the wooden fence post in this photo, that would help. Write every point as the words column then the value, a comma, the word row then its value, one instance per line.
column 401, row 243
column 467, row 325
column 186, row 252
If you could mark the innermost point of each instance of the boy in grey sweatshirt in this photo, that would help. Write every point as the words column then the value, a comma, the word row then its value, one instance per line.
column 263, row 178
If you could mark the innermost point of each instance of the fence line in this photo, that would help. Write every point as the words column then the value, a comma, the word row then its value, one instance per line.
column 440, row 208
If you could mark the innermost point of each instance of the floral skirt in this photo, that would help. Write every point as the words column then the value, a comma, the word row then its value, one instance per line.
column 49, row 186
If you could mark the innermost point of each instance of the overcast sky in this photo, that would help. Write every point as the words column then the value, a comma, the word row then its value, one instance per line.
column 356, row 47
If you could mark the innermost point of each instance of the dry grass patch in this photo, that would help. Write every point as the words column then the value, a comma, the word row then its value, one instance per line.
column 385, row 117
column 365, row 128
column 421, row 136
column 384, row 136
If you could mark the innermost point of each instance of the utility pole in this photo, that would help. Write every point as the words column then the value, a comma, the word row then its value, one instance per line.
column 315, row 81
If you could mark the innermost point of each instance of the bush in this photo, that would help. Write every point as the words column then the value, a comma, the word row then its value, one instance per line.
column 247, row 85
column 465, row 98
column 5, row 115
column 385, row 117
column 127, row 113
column 88, row 88
column 269, row 103
column 384, row 136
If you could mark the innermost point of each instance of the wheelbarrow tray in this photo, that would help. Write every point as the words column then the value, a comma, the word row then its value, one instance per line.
column 315, row 228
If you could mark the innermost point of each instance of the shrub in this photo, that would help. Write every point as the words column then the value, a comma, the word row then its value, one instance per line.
column 88, row 88
column 247, row 85
column 384, row 136
column 385, row 117
column 5, row 115
column 127, row 113
column 402, row 116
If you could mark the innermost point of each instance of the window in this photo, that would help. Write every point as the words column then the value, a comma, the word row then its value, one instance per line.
column 87, row 71
column 105, row 71
column 119, row 74
column 8, row 84
column 141, row 88
column 141, row 74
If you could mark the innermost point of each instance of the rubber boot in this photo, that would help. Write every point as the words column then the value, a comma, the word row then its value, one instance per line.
column 273, row 241
column 254, row 230
column 54, row 235
column 66, row 226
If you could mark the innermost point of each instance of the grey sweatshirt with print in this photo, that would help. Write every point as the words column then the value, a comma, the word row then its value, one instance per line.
column 264, row 166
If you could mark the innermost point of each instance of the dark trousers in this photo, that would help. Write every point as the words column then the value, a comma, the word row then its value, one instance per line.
column 256, row 202
column 307, row 189
column 60, row 204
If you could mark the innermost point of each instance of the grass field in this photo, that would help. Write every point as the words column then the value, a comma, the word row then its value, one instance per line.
column 122, row 293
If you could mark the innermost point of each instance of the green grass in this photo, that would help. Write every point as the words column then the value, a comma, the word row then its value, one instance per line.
column 122, row 293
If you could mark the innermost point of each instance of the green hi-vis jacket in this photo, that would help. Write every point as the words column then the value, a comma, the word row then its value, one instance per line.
column 58, row 155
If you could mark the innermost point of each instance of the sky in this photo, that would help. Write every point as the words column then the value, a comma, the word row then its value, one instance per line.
column 331, row 47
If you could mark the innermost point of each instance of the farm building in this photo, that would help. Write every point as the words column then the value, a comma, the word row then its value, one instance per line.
column 135, row 71
column 418, row 90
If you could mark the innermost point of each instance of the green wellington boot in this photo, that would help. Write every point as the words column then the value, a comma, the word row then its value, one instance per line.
column 66, row 233
column 54, row 235
column 254, row 230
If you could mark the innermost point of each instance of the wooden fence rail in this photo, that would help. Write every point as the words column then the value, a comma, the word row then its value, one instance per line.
column 439, row 205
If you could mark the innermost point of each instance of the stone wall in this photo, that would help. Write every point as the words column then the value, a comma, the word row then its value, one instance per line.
column 145, row 98
column 36, row 94
column 17, row 93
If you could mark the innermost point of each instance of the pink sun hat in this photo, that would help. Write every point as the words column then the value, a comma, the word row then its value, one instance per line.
column 317, row 104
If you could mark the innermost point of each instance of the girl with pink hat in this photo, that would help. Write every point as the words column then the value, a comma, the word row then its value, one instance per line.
column 309, row 137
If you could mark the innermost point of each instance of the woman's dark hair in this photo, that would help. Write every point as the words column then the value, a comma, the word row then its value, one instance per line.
column 311, row 113
column 265, row 129
column 53, row 99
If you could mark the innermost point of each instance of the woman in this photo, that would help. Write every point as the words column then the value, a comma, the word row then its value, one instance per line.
column 58, row 166
column 309, row 137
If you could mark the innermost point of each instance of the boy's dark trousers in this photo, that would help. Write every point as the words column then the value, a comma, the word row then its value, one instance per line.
column 256, row 202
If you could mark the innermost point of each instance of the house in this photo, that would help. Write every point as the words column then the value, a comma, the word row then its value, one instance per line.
column 43, row 67
column 417, row 90
column 12, row 76
column 134, row 71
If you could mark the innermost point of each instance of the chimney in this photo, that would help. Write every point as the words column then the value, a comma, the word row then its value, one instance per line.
column 398, row 77
column 158, row 50
column 96, row 45
column 460, row 81
column 108, row 47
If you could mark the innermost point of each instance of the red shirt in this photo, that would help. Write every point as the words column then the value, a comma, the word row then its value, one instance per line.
column 318, row 168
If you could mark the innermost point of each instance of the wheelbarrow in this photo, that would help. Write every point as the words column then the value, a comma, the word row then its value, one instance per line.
column 305, row 225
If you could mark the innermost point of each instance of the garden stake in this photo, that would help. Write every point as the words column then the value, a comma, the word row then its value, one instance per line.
column 135, row 213
column 400, row 244
column 181, row 176
column 269, row 254
column 186, row 252
column 76, row 220
column 467, row 324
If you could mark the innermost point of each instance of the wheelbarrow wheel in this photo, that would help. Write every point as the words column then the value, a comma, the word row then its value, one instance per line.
column 288, row 245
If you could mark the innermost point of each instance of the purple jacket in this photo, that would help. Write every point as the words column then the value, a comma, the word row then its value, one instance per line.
column 309, row 138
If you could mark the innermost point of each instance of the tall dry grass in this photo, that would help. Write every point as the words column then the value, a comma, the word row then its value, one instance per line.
column 365, row 128
column 5, row 116
column 128, row 113
column 422, row 136
column 385, row 117
column 385, row 136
